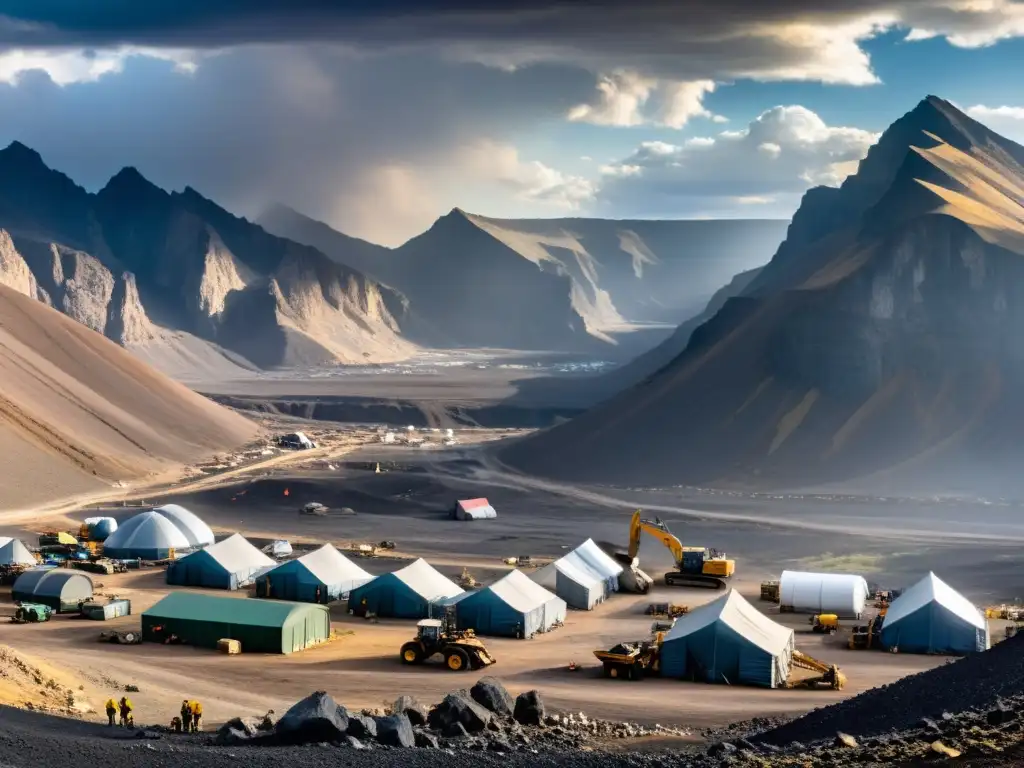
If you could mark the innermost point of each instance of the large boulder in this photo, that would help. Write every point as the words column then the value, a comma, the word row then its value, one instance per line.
column 395, row 731
column 408, row 706
column 493, row 696
column 362, row 727
column 316, row 718
column 459, row 707
column 425, row 739
column 529, row 708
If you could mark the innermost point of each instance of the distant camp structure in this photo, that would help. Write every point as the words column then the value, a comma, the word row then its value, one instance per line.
column 97, row 528
column 584, row 577
column 15, row 553
column 842, row 594
column 158, row 534
column 473, row 509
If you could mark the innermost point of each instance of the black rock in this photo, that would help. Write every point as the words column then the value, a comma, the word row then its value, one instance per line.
column 499, row 744
column 408, row 706
column 529, row 708
column 455, row 731
column 493, row 696
column 425, row 739
column 395, row 731
column 362, row 727
column 459, row 708
column 315, row 719
column 354, row 743
column 721, row 748
column 1001, row 714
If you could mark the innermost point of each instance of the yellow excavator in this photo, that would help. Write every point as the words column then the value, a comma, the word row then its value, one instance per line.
column 695, row 566
column 829, row 675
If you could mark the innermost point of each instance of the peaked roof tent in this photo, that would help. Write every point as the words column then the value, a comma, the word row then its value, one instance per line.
column 742, row 617
column 329, row 565
column 598, row 559
column 932, row 589
column 14, row 552
column 421, row 577
column 519, row 592
column 236, row 554
column 195, row 530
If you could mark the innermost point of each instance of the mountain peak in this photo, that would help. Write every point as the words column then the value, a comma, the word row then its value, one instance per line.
column 128, row 179
column 22, row 154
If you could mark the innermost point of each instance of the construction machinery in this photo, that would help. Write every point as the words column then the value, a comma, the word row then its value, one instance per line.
column 631, row 661
column 31, row 613
column 466, row 580
column 461, row 649
column 825, row 623
column 829, row 675
column 671, row 610
column 868, row 636
column 695, row 566
column 770, row 591
column 1008, row 612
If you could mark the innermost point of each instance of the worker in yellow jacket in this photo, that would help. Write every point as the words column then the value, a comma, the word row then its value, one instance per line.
column 125, row 705
column 196, row 708
column 111, row 706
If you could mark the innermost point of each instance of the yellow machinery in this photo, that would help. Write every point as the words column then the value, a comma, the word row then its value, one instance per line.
column 825, row 623
column 462, row 650
column 1007, row 612
column 466, row 580
column 632, row 661
column 695, row 566
column 868, row 636
column 829, row 675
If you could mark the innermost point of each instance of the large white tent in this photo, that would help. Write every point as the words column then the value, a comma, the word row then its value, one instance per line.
column 728, row 641
column 583, row 578
column 148, row 535
column 228, row 564
column 14, row 552
column 195, row 530
column 843, row 594
column 513, row 606
column 932, row 617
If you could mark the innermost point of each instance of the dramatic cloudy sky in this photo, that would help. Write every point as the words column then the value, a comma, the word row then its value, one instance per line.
column 378, row 117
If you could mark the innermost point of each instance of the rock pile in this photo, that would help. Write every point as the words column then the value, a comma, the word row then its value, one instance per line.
column 484, row 718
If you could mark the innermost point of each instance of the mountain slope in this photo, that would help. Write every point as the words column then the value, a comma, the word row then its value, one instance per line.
column 181, row 281
column 78, row 413
column 881, row 342
column 585, row 280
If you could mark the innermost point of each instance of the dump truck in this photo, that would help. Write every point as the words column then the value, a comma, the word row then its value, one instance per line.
column 461, row 649
column 695, row 566
column 672, row 610
column 631, row 660
column 829, row 675
column 825, row 623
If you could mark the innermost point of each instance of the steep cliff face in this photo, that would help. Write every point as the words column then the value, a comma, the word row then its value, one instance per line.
column 892, row 346
column 181, row 277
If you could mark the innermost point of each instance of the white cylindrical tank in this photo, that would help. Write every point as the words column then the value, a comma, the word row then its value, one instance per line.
column 843, row 594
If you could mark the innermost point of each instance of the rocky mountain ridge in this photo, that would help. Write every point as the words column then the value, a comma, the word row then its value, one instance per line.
column 880, row 343
column 182, row 281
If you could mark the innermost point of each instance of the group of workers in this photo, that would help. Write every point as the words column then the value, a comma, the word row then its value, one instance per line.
column 189, row 722
column 124, row 706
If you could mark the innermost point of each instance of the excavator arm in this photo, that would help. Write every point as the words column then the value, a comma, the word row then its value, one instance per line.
column 829, row 675
column 658, row 530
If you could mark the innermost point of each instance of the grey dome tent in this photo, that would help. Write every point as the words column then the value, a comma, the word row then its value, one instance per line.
column 60, row 588
column 148, row 535
column 195, row 530
column 728, row 641
column 228, row 564
column 932, row 617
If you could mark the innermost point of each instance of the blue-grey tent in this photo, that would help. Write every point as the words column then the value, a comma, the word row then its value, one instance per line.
column 407, row 593
column 318, row 577
column 228, row 564
column 728, row 641
column 583, row 577
column 513, row 606
column 932, row 617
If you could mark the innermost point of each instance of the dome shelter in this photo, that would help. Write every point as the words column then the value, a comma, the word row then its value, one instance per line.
column 147, row 536
column 98, row 528
column 62, row 589
column 195, row 530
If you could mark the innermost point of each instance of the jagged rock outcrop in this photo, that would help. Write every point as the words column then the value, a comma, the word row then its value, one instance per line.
column 180, row 276
column 882, row 340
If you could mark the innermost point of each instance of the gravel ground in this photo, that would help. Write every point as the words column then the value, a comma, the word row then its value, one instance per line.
column 975, row 681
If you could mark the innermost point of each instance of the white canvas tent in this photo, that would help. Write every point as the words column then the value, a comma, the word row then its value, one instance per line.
column 843, row 594
column 583, row 578
column 14, row 552
column 513, row 606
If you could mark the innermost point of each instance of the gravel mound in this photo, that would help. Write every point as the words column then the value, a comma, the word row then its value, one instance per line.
column 973, row 682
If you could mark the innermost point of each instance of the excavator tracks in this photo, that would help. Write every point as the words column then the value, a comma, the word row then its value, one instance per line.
column 679, row 579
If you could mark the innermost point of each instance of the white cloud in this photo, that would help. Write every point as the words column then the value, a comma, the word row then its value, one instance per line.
column 965, row 23
column 1005, row 120
column 67, row 66
column 621, row 97
column 530, row 181
column 772, row 161
column 683, row 101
